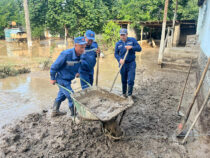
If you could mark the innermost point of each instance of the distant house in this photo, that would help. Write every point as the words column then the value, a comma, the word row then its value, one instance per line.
column 152, row 29
column 14, row 34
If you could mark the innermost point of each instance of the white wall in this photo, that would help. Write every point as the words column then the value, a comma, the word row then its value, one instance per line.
column 203, row 27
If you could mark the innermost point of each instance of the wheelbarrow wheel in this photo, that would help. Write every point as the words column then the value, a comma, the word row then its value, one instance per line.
column 112, row 130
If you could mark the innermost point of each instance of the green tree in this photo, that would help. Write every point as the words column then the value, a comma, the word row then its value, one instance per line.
column 187, row 10
column 9, row 11
column 38, row 10
column 76, row 15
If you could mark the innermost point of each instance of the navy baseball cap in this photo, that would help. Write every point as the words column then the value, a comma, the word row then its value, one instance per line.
column 123, row 31
column 90, row 35
column 80, row 40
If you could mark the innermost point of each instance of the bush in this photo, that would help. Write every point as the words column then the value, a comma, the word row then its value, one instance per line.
column 111, row 33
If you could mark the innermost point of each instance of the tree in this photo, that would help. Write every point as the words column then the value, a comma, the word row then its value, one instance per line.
column 76, row 15
column 38, row 10
column 9, row 11
column 111, row 33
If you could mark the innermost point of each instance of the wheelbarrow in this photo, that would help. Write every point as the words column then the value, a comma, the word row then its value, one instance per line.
column 98, row 104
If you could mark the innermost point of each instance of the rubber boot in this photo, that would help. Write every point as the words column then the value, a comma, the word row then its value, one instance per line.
column 124, row 90
column 130, row 91
column 56, row 107
column 73, row 113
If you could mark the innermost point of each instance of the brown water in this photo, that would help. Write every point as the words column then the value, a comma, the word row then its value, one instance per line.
column 32, row 92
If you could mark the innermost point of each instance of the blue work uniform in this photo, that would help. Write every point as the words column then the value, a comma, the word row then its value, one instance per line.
column 129, row 68
column 88, row 62
column 63, row 70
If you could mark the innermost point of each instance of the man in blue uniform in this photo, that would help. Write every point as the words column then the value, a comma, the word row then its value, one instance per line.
column 63, row 71
column 88, row 60
column 129, row 64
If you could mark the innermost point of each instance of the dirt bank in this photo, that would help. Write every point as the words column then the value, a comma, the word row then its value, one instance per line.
column 6, row 71
column 149, row 125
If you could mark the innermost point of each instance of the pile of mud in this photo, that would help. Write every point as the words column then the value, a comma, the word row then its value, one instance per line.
column 149, row 127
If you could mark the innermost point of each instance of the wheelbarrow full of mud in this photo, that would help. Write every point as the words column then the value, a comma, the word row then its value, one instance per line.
column 97, row 104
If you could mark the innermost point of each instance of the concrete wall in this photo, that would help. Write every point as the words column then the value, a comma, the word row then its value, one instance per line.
column 131, row 31
column 203, row 27
column 203, row 31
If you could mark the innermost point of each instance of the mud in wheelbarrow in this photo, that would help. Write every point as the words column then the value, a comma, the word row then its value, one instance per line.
column 97, row 104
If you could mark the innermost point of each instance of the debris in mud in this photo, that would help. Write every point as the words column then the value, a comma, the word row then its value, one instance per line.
column 6, row 71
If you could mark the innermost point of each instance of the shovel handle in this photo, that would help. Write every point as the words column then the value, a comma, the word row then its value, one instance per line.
column 119, row 71
column 180, row 102
column 197, row 116
column 97, row 71
column 197, row 90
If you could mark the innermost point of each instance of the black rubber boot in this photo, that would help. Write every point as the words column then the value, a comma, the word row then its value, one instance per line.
column 124, row 90
column 73, row 113
column 56, row 107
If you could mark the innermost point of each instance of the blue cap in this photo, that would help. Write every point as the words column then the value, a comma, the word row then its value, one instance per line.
column 90, row 35
column 80, row 40
column 123, row 31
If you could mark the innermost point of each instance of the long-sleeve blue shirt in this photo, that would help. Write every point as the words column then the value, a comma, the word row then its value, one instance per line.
column 88, row 59
column 120, row 49
column 66, row 66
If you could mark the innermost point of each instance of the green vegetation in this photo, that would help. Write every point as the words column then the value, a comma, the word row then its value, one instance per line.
column 6, row 71
column 111, row 33
column 79, row 15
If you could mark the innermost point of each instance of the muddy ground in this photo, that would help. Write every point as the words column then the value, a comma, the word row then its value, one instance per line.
column 149, row 128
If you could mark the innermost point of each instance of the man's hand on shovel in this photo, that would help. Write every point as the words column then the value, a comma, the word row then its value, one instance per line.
column 128, row 47
column 77, row 75
column 53, row 82
column 98, row 51
column 122, row 61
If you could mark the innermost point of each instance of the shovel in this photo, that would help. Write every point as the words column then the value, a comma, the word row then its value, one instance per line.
column 180, row 128
column 180, row 102
column 119, row 71
column 97, row 71
column 197, row 116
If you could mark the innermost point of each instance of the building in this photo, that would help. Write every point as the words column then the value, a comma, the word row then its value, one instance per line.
column 14, row 34
column 152, row 29
column 203, row 32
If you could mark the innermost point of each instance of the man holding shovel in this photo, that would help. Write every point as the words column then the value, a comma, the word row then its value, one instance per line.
column 63, row 71
column 128, row 69
column 88, row 60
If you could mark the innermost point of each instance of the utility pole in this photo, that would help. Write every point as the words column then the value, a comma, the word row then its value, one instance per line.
column 27, row 20
column 160, row 56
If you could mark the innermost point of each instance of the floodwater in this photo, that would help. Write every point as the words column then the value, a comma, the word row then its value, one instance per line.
column 32, row 92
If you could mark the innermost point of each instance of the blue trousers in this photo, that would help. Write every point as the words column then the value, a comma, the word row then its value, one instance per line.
column 87, row 77
column 63, row 94
column 128, row 73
